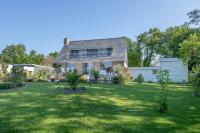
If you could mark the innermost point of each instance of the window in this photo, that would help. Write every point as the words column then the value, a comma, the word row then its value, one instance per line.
column 109, row 51
column 92, row 52
column 102, row 52
column 87, row 67
column 70, row 67
column 82, row 53
column 74, row 53
column 155, row 72
column 106, row 64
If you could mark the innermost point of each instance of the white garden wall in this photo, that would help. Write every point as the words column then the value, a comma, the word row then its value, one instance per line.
column 147, row 73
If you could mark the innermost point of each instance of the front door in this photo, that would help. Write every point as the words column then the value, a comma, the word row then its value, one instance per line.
column 87, row 68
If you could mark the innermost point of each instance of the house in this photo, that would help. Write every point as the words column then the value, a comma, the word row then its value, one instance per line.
column 178, row 70
column 99, row 54
column 33, row 68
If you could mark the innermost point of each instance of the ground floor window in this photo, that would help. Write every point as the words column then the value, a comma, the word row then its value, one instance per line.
column 87, row 67
column 70, row 67
column 105, row 65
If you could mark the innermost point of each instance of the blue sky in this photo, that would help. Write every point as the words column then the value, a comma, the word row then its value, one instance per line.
column 42, row 24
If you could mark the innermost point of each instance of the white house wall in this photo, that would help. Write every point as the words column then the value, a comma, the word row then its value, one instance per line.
column 177, row 69
column 29, row 69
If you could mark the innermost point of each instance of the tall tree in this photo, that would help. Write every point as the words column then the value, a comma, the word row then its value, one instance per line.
column 14, row 54
column 35, row 58
column 171, row 40
column 53, row 54
column 190, row 50
column 194, row 17
column 50, row 59
column 134, row 54
column 150, row 44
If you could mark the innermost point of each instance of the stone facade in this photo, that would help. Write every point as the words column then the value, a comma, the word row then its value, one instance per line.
column 118, row 55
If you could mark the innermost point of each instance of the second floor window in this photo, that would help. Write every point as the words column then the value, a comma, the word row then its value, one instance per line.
column 91, row 53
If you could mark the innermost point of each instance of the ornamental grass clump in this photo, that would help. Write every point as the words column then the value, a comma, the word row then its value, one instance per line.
column 73, row 79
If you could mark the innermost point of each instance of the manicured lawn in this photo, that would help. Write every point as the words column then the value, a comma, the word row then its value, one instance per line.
column 43, row 107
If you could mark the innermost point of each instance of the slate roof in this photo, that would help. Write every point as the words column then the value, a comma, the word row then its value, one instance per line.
column 119, row 46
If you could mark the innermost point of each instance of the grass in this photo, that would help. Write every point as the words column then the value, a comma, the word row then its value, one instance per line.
column 43, row 107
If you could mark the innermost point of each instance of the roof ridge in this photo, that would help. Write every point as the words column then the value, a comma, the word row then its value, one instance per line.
column 99, row 39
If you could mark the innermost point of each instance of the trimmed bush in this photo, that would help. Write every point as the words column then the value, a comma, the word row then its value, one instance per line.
column 139, row 78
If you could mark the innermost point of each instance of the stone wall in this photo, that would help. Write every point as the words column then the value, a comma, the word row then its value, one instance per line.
column 114, row 63
column 96, row 65
column 79, row 67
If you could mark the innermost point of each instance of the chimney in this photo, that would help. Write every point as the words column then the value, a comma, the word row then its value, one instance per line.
column 66, row 41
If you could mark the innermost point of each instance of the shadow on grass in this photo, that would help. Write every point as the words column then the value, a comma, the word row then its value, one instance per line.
column 103, row 108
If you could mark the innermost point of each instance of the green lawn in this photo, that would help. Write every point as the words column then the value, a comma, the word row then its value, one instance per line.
column 43, row 107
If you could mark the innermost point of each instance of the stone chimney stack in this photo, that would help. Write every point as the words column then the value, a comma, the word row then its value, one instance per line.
column 66, row 41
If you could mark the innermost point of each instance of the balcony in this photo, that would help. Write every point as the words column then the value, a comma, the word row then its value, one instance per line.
column 90, row 54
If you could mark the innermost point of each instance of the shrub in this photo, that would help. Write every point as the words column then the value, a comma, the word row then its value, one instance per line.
column 5, row 85
column 73, row 78
column 30, row 77
column 40, row 75
column 84, row 79
column 139, row 78
column 105, row 79
column 95, row 75
column 117, row 79
column 17, row 76
column 121, row 75
column 3, row 72
column 163, row 79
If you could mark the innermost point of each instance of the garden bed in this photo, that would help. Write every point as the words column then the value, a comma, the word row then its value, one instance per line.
column 72, row 91
column 8, row 85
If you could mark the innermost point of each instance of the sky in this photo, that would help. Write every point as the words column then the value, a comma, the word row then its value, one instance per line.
column 43, row 24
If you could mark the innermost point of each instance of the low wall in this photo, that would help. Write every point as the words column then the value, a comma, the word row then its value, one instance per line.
column 149, row 73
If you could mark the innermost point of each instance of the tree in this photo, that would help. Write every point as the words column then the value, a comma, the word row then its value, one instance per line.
column 73, row 79
column 53, row 54
column 134, row 54
column 35, row 58
column 150, row 44
column 190, row 50
column 17, row 76
column 194, row 17
column 195, row 80
column 171, row 40
column 14, row 54
column 163, row 79
column 50, row 59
